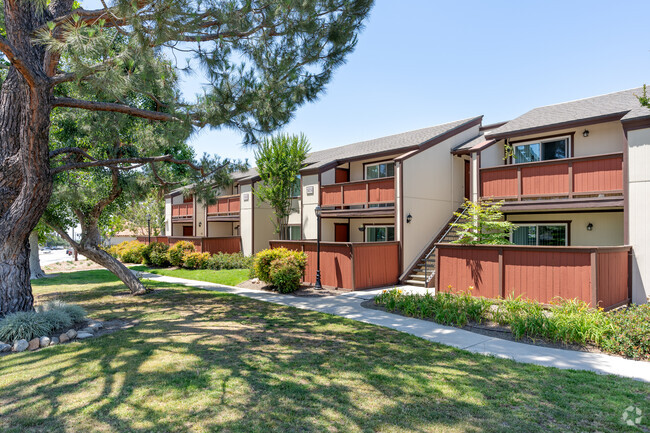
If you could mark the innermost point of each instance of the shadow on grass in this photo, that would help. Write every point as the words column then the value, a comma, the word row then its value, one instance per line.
column 201, row 361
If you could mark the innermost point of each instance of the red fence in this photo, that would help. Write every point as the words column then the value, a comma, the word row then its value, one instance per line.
column 347, row 265
column 225, row 205
column 182, row 210
column 595, row 275
column 230, row 244
column 601, row 174
column 363, row 192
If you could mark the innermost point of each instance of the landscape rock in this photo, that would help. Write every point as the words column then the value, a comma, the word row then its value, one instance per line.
column 21, row 345
column 34, row 343
column 95, row 325
column 88, row 330
column 4, row 347
column 45, row 341
column 71, row 334
column 83, row 335
column 55, row 341
column 64, row 338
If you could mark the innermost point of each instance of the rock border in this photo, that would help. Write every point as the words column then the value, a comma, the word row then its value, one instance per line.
column 91, row 328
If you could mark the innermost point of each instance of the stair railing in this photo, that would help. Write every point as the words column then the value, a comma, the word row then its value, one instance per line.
column 427, row 278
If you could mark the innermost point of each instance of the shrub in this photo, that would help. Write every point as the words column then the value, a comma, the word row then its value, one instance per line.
column 262, row 262
column 24, row 324
column 114, row 251
column 156, row 254
column 629, row 334
column 194, row 260
column 178, row 250
column 281, row 268
column 230, row 261
column 58, row 318
column 76, row 312
column 130, row 251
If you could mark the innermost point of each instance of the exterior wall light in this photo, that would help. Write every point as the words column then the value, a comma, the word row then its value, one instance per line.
column 590, row 227
column 362, row 228
column 409, row 218
column 585, row 133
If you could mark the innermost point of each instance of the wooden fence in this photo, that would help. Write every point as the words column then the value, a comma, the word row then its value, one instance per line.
column 596, row 275
column 228, row 244
column 346, row 265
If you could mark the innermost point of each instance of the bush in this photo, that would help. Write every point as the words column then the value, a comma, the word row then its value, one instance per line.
column 194, row 260
column 230, row 261
column 52, row 316
column 156, row 254
column 114, row 251
column 281, row 268
column 630, row 332
column 128, row 251
column 178, row 250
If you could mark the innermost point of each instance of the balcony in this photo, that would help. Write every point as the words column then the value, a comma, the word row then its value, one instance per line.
column 183, row 212
column 588, row 178
column 225, row 209
column 362, row 193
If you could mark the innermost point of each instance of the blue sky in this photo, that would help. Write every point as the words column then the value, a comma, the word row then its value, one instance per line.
column 421, row 62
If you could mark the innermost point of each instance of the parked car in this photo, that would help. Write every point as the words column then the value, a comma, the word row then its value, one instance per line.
column 69, row 251
column 46, row 250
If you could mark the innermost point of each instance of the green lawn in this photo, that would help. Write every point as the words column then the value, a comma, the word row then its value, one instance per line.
column 202, row 361
column 230, row 277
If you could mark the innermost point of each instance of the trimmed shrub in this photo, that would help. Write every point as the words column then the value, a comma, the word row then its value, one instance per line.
column 630, row 332
column 281, row 268
column 230, row 261
column 130, row 251
column 194, row 260
column 156, row 254
column 178, row 250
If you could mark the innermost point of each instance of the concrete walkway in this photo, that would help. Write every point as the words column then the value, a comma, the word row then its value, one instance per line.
column 348, row 305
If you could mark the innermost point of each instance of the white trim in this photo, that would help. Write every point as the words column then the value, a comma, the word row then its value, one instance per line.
column 567, row 147
column 372, row 164
column 375, row 226
column 537, row 225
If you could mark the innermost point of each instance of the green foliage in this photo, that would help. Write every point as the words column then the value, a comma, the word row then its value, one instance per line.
column 53, row 316
column 129, row 251
column 156, row 254
column 482, row 223
column 145, row 210
column 230, row 261
column 279, row 160
column 630, row 333
column 178, row 251
column 280, row 267
column 194, row 260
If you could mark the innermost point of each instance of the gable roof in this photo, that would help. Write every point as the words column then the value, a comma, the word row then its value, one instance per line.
column 403, row 142
column 623, row 105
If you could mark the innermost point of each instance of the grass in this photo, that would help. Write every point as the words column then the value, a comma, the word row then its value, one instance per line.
column 229, row 277
column 201, row 361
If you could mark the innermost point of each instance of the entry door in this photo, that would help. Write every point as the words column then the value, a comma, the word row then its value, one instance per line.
column 187, row 231
column 467, row 179
column 342, row 175
column 341, row 233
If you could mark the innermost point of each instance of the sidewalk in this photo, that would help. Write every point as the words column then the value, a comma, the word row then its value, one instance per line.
column 349, row 306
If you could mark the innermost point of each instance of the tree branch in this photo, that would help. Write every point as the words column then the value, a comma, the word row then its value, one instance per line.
column 76, row 150
column 139, row 161
column 115, row 108
column 17, row 62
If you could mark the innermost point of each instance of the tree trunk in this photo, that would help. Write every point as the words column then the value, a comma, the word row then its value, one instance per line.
column 101, row 257
column 34, row 260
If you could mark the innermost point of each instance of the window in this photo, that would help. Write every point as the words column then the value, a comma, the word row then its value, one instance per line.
column 292, row 233
column 380, row 233
column 541, row 150
column 295, row 188
column 540, row 234
column 384, row 169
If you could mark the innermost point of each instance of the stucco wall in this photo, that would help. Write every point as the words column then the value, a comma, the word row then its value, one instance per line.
column 639, row 205
column 264, row 228
column 433, row 190
column 309, row 204
column 607, row 229
column 220, row 229
column 168, row 215
column 246, row 219
column 199, row 219
column 355, row 223
column 177, row 229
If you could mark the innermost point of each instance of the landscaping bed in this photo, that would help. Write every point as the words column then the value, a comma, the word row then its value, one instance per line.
column 567, row 324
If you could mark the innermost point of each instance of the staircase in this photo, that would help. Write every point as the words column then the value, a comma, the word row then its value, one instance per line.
column 424, row 270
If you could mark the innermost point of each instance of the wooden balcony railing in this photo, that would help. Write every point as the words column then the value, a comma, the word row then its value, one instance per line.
column 225, row 205
column 558, row 178
column 225, row 244
column 183, row 211
column 362, row 192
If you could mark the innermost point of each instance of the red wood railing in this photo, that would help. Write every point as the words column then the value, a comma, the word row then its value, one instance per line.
column 228, row 244
column 225, row 205
column 351, row 266
column 595, row 275
column 362, row 192
column 184, row 210
column 566, row 178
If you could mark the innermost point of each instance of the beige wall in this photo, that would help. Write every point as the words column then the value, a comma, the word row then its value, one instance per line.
column 639, row 205
column 607, row 226
column 246, row 219
column 264, row 227
column 355, row 223
column 168, row 215
column 309, row 229
column 177, row 229
column 199, row 218
column 433, row 189
column 221, row 229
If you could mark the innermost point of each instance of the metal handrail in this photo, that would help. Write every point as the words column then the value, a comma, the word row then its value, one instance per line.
column 451, row 225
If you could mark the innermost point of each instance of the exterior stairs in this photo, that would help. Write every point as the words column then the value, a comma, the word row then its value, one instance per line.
column 423, row 271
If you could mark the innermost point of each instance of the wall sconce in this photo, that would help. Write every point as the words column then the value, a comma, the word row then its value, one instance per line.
column 590, row 227
column 200, row 223
column 409, row 218
column 236, row 227
column 362, row 229
column 585, row 133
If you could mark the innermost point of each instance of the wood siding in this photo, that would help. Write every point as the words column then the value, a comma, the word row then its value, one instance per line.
column 565, row 178
column 225, row 205
column 182, row 210
column 229, row 244
column 346, row 265
column 595, row 275
column 363, row 192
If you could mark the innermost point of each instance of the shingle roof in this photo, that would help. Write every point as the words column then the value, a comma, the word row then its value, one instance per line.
column 624, row 103
column 398, row 142
column 470, row 143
